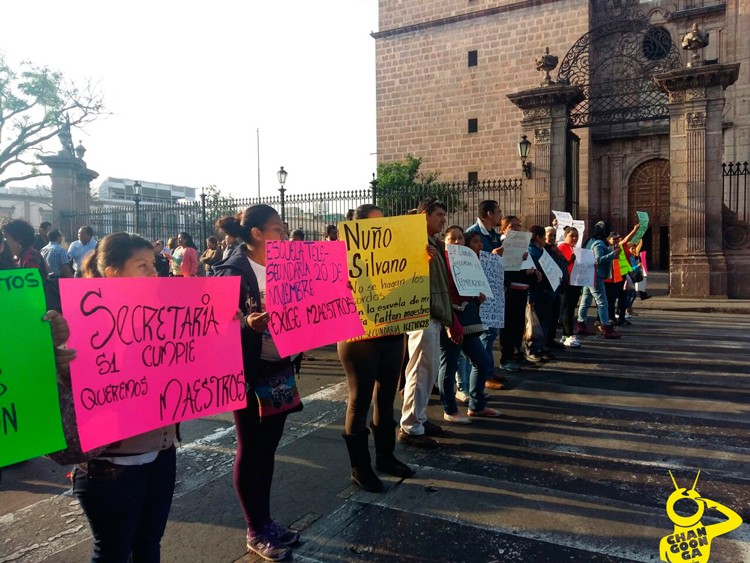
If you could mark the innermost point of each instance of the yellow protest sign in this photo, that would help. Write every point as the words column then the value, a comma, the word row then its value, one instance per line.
column 389, row 273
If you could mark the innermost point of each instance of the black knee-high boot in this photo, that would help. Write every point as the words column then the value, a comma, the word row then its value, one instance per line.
column 385, row 443
column 359, row 456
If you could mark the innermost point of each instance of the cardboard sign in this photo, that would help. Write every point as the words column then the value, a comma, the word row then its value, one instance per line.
column 564, row 219
column 550, row 269
column 389, row 273
column 581, row 226
column 467, row 272
column 583, row 270
column 151, row 352
column 515, row 245
column 307, row 295
column 642, row 227
column 492, row 311
column 30, row 423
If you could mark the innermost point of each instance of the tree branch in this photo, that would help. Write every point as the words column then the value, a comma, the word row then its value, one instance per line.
column 5, row 181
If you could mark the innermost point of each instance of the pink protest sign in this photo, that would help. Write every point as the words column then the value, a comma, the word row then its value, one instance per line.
column 643, row 263
column 308, row 296
column 151, row 352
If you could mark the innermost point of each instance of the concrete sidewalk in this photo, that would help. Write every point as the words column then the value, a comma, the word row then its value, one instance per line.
column 658, row 287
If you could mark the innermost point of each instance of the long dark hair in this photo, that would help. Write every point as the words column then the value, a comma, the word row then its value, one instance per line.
column 21, row 231
column 188, row 239
column 113, row 250
column 240, row 225
column 6, row 256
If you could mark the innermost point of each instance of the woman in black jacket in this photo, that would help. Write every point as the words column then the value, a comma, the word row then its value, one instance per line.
column 258, row 434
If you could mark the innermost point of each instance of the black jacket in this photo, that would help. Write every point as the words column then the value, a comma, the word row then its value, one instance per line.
column 249, row 302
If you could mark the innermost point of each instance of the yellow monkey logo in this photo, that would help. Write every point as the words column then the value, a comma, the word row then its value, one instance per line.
column 690, row 542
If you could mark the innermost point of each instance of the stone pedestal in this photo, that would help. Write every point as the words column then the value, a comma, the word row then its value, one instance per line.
column 71, row 186
column 545, row 123
column 696, row 98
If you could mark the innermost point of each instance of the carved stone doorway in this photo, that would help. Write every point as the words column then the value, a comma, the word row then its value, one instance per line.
column 648, row 190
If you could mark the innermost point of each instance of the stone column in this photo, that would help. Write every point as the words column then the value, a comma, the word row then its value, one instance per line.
column 71, row 180
column 545, row 123
column 697, row 265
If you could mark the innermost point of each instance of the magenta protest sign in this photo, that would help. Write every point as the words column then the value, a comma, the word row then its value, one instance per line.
column 151, row 352
column 308, row 296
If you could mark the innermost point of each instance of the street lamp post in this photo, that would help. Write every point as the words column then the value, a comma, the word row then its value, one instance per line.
column 203, row 218
column 137, row 201
column 523, row 152
column 281, row 175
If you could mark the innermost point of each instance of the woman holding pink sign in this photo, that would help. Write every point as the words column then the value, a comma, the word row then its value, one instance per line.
column 126, row 491
column 260, row 425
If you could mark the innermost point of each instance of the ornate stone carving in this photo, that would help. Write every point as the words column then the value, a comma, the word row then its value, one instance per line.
column 695, row 93
column 676, row 97
column 703, row 77
column 695, row 40
column 546, row 63
column 534, row 113
column 695, row 120
column 542, row 135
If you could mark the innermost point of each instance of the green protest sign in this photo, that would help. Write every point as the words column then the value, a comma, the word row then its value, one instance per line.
column 30, row 423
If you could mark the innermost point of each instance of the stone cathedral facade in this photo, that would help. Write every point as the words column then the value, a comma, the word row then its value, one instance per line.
column 627, row 119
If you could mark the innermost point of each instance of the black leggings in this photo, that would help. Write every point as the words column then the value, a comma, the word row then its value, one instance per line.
column 373, row 364
column 257, row 440
column 570, row 309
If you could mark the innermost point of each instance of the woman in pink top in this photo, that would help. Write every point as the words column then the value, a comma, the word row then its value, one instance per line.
column 187, row 250
column 572, row 292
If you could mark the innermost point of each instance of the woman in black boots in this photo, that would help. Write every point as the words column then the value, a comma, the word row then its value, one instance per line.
column 373, row 363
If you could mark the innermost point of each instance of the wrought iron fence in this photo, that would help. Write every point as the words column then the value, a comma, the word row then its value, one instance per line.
column 736, row 208
column 309, row 212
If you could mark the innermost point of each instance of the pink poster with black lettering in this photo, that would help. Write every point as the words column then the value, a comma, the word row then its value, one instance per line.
column 151, row 352
column 308, row 295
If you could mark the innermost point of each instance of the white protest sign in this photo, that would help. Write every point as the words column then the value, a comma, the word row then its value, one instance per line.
column 515, row 245
column 492, row 311
column 583, row 268
column 564, row 219
column 467, row 271
column 580, row 226
column 550, row 269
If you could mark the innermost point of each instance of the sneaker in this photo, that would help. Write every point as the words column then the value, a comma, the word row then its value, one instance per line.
column 461, row 396
column 432, row 429
column 418, row 440
column 628, row 315
column 486, row 412
column 583, row 330
column 456, row 418
column 268, row 547
column 510, row 366
column 534, row 358
column 494, row 385
column 285, row 536
column 572, row 342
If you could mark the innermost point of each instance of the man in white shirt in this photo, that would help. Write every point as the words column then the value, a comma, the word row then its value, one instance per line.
column 80, row 248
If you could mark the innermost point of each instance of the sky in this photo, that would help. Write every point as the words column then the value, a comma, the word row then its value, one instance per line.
column 189, row 83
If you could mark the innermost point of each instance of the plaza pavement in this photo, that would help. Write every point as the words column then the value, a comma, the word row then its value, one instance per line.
column 576, row 469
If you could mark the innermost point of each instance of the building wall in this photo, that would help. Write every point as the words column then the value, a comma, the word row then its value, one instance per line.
column 426, row 92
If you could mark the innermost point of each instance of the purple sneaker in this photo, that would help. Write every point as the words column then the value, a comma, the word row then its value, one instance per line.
column 268, row 547
column 284, row 536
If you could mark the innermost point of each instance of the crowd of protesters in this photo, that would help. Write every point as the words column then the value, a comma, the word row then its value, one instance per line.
column 125, row 489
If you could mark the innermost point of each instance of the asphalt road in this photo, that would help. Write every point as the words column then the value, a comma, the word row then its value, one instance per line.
column 575, row 470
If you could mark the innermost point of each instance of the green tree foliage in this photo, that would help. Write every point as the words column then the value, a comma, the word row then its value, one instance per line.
column 35, row 104
column 401, row 186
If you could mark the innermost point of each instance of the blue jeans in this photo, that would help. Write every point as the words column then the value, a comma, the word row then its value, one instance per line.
column 463, row 373
column 449, row 352
column 488, row 338
column 599, row 293
column 127, row 506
